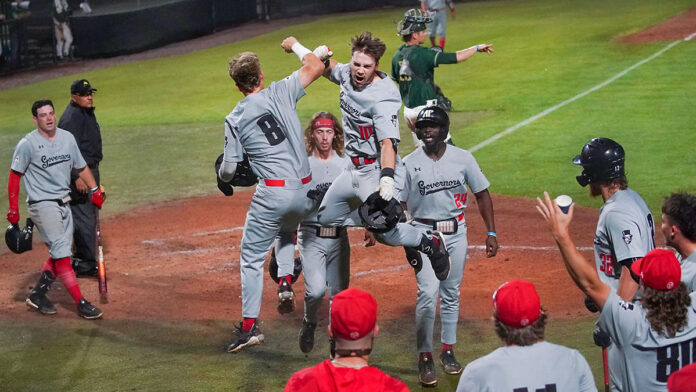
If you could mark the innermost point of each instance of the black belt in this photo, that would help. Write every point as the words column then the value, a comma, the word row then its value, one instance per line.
column 61, row 202
column 329, row 231
column 445, row 226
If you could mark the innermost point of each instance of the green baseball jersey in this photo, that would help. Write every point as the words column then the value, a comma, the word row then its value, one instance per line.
column 413, row 68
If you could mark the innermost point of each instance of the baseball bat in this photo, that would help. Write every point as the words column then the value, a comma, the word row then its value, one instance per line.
column 101, row 266
column 606, row 369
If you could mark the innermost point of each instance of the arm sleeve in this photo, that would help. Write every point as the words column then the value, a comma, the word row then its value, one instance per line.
column 288, row 91
column 626, row 236
column 233, row 148
column 385, row 117
column 445, row 58
column 475, row 178
column 336, row 75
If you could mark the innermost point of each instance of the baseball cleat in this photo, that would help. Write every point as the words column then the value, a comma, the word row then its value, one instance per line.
column 286, row 297
column 307, row 336
column 244, row 339
column 438, row 255
column 426, row 370
column 86, row 310
column 449, row 362
column 41, row 303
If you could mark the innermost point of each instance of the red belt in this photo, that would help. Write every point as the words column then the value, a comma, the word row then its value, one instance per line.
column 282, row 182
column 357, row 161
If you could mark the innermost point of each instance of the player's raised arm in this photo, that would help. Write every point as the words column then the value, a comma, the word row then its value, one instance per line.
column 464, row 54
column 312, row 66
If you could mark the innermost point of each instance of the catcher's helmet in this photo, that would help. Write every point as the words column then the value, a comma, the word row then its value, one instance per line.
column 379, row 215
column 414, row 20
column 19, row 240
column 434, row 115
column 601, row 159
column 273, row 268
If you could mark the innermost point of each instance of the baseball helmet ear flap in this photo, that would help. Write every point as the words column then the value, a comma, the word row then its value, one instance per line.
column 19, row 240
column 601, row 159
column 379, row 215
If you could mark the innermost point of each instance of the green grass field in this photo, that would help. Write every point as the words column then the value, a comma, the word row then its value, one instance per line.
column 162, row 128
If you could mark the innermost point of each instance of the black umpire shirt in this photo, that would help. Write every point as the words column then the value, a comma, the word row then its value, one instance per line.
column 82, row 123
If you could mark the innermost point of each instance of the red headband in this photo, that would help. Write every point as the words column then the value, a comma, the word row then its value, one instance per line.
column 322, row 123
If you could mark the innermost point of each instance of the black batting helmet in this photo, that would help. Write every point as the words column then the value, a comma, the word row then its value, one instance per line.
column 414, row 20
column 19, row 240
column 434, row 115
column 601, row 159
column 379, row 215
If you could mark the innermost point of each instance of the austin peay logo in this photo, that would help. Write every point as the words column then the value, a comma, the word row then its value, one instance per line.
column 627, row 236
column 426, row 189
column 395, row 120
column 54, row 160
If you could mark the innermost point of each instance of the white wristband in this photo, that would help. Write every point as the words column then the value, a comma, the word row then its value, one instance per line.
column 300, row 50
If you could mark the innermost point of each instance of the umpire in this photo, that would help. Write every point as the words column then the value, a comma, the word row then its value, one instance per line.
column 79, row 119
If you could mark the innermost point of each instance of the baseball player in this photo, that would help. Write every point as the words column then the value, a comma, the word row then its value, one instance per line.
column 370, row 104
column 44, row 158
column 656, row 335
column 266, row 126
column 679, row 229
column 353, row 328
column 435, row 193
column 438, row 25
column 526, row 362
column 413, row 66
column 61, row 12
column 625, row 229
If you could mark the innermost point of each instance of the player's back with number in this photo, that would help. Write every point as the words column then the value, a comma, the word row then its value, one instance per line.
column 266, row 124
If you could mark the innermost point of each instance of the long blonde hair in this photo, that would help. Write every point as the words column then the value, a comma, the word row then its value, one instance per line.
column 336, row 145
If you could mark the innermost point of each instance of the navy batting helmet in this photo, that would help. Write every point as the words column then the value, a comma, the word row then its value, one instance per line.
column 601, row 159
column 414, row 20
column 19, row 240
column 379, row 215
column 434, row 115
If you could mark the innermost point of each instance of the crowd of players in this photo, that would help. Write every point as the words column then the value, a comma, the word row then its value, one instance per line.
column 316, row 180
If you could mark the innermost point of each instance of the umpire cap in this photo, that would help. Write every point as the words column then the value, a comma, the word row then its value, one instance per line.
column 82, row 87
column 601, row 159
column 19, row 240
column 414, row 20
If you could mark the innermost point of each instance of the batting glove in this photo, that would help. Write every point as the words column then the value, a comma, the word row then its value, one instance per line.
column 386, row 188
column 13, row 216
column 97, row 197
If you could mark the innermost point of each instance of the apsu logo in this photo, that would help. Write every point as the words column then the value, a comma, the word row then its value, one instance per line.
column 627, row 236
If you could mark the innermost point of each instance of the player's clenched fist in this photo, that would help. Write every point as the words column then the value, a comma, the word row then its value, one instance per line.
column 287, row 44
column 386, row 188
column 13, row 215
column 97, row 197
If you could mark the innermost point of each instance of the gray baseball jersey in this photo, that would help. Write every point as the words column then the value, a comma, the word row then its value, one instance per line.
column 46, row 164
column 688, row 267
column 625, row 229
column 650, row 358
column 432, row 5
column 437, row 189
column 370, row 115
column 266, row 125
column 541, row 367
column 323, row 174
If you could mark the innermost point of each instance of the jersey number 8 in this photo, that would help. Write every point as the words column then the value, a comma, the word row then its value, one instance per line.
column 270, row 128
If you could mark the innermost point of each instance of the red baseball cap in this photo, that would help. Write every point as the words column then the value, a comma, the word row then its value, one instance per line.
column 683, row 380
column 517, row 303
column 353, row 314
column 659, row 269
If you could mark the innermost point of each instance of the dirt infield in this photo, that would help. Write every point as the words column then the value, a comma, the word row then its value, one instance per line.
column 676, row 28
column 180, row 260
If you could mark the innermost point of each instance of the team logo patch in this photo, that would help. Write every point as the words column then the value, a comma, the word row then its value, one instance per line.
column 395, row 120
column 626, row 305
column 627, row 236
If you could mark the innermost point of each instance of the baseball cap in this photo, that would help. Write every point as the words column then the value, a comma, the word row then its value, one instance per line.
column 517, row 303
column 353, row 314
column 659, row 270
column 81, row 87
column 683, row 380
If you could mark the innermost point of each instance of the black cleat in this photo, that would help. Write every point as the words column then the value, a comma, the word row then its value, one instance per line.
column 426, row 370
column 307, row 336
column 86, row 310
column 436, row 249
column 244, row 339
column 37, row 296
column 449, row 362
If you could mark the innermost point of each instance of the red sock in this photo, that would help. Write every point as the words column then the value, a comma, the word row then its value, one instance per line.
column 422, row 356
column 247, row 324
column 442, row 42
column 67, row 276
column 49, row 266
column 432, row 41
column 446, row 347
column 287, row 278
